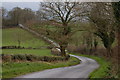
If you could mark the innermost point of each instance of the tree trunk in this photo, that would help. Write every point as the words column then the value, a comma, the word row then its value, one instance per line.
column 62, row 48
column 65, row 32
column 109, row 52
column 118, row 45
column 66, row 29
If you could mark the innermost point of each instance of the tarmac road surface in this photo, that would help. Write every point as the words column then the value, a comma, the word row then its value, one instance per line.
column 81, row 70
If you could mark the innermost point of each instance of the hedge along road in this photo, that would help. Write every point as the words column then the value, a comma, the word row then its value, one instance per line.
column 82, row 70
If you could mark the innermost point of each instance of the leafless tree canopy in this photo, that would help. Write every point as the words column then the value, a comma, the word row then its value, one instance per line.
column 102, row 17
column 62, row 11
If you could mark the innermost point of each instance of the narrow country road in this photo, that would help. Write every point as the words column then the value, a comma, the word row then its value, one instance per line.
column 82, row 70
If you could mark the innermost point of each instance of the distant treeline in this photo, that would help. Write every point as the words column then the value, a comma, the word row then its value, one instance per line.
column 17, row 15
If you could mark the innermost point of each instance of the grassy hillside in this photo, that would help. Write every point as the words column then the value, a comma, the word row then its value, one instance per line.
column 39, row 52
column 10, row 37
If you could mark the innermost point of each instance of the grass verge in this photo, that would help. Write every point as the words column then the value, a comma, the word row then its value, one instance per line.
column 102, row 71
column 10, row 70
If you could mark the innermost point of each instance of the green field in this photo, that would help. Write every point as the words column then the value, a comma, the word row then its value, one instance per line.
column 14, row 69
column 39, row 52
column 11, row 36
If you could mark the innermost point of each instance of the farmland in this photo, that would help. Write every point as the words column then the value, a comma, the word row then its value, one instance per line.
column 10, row 37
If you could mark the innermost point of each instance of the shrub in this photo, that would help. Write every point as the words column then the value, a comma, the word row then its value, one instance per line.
column 29, row 57
column 6, row 58
column 40, row 58
column 12, row 47
column 18, row 57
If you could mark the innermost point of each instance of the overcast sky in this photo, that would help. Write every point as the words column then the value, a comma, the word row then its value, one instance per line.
column 10, row 5
column 34, row 4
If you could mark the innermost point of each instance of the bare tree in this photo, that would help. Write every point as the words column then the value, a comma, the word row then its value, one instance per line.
column 61, row 14
column 26, row 15
column 102, row 17
column 116, row 7
column 18, row 15
column 4, row 11
column 15, row 15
